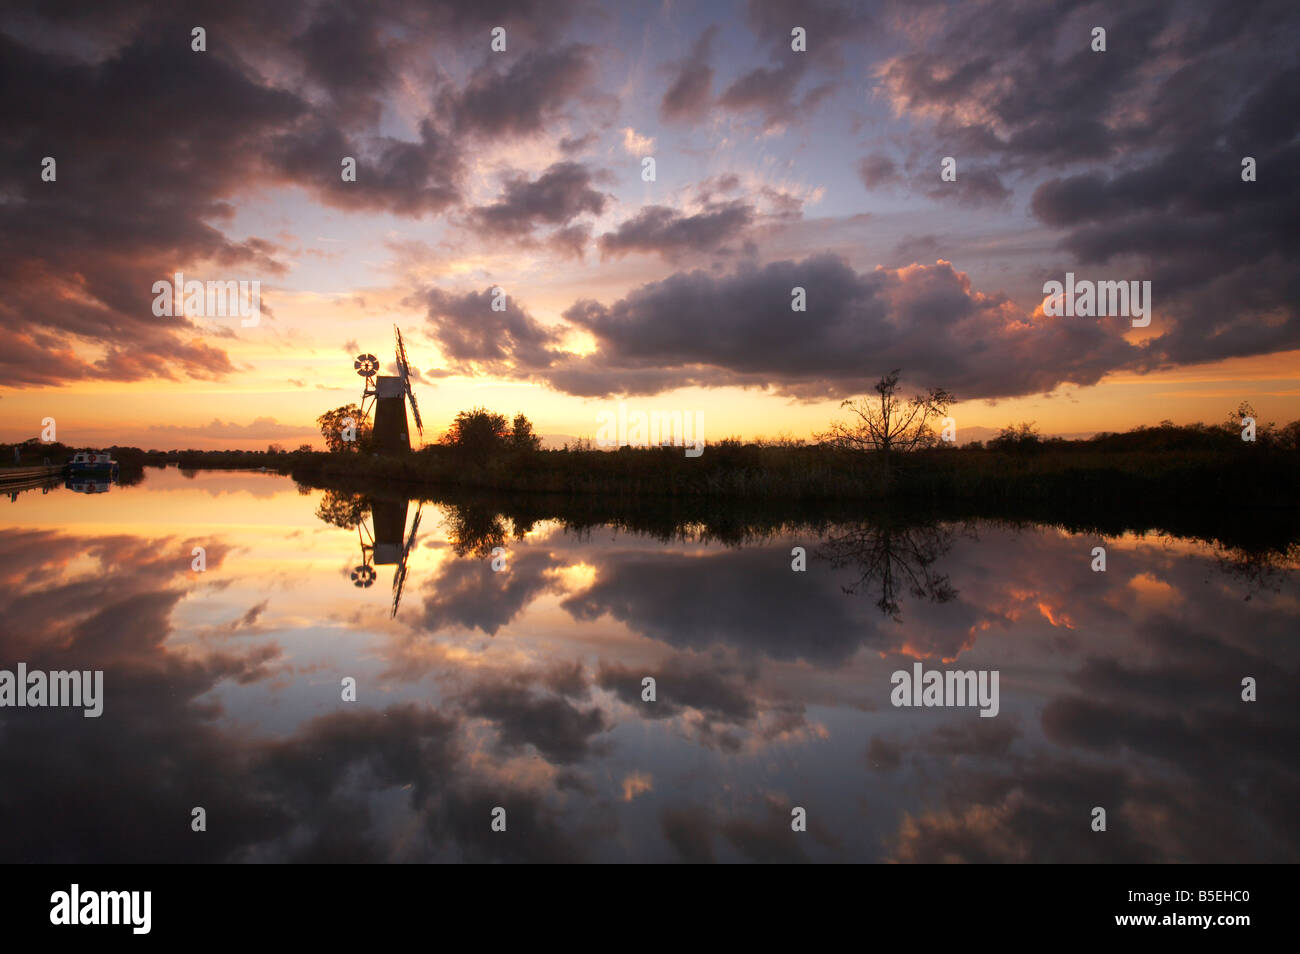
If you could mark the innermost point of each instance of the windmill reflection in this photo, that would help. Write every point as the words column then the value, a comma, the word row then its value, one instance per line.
column 381, row 533
column 891, row 557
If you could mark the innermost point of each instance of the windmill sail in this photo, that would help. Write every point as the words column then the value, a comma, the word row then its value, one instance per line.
column 404, row 369
column 399, row 578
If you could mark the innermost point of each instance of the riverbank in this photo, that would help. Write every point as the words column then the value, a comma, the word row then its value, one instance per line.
column 1249, row 477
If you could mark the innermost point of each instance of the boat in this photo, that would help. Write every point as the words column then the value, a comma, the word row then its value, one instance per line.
column 83, row 485
column 92, row 464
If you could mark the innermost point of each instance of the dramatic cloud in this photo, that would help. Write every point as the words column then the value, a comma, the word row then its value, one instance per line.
column 555, row 197
column 155, row 143
column 550, row 723
column 926, row 319
column 1144, row 146
column 472, row 334
column 671, row 234
column 688, row 95
column 79, row 255
column 1129, row 161
column 392, row 175
column 524, row 97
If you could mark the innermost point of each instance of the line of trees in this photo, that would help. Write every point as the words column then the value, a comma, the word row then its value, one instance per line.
column 891, row 423
column 887, row 424
column 478, row 434
column 475, row 435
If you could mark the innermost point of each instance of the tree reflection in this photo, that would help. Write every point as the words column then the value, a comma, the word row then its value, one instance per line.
column 342, row 509
column 1257, row 571
column 474, row 529
column 892, row 557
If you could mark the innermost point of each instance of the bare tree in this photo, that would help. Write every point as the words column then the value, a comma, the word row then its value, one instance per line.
column 891, row 556
column 889, row 423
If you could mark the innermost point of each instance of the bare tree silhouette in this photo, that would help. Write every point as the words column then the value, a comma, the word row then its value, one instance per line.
column 890, row 423
column 892, row 557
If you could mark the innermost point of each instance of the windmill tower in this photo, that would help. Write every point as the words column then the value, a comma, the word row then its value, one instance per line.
column 391, row 392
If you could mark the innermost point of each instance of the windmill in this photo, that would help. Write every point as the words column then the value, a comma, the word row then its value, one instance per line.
column 385, row 546
column 391, row 392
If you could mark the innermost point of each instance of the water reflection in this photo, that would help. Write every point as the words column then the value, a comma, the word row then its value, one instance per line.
column 890, row 557
column 523, row 687
column 380, row 524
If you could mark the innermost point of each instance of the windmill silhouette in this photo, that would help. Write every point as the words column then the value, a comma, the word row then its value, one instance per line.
column 387, row 396
column 384, row 546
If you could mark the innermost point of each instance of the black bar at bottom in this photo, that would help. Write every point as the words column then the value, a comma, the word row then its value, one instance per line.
column 303, row 903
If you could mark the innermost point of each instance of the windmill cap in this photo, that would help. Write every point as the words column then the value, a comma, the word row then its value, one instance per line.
column 389, row 386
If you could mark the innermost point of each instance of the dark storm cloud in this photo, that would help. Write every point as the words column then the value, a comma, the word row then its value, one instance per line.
column 155, row 142
column 524, row 97
column 925, row 319
column 690, row 91
column 1216, row 246
column 345, row 51
column 561, row 731
column 660, row 230
column 146, row 145
column 392, row 175
column 1143, row 145
column 559, row 194
column 470, row 333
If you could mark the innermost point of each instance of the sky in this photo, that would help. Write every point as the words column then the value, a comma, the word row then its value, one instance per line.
column 522, row 169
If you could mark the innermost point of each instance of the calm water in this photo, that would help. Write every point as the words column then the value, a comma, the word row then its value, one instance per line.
column 522, row 688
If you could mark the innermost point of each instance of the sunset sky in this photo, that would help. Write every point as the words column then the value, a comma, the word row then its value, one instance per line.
column 523, row 169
